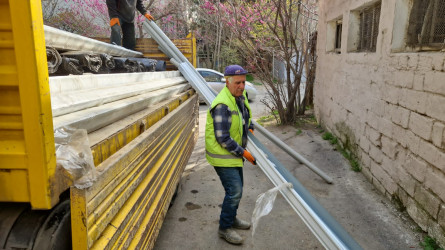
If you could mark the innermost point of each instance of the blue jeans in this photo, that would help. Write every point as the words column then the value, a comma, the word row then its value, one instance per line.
column 232, row 181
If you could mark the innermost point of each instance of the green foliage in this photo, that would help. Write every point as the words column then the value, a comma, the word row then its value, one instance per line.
column 303, row 120
column 430, row 244
column 264, row 119
column 327, row 136
column 230, row 55
column 355, row 166
column 249, row 77
column 299, row 132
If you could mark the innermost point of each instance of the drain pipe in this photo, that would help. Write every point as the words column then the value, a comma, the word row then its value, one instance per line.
column 291, row 152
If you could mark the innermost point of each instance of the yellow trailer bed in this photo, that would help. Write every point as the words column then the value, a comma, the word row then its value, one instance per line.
column 139, row 159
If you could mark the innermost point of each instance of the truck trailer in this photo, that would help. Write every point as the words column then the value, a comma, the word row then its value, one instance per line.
column 140, row 131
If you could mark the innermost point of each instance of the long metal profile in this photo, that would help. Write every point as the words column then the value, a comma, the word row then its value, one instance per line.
column 328, row 231
column 60, row 39
column 292, row 153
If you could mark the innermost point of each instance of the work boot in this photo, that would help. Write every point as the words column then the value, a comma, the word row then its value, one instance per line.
column 230, row 236
column 241, row 224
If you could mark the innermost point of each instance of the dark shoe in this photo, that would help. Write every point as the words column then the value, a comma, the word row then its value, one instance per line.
column 230, row 236
column 241, row 224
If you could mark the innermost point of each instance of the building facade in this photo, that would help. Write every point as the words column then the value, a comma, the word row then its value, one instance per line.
column 380, row 88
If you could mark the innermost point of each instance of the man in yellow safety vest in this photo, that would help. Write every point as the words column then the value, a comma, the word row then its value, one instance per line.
column 228, row 122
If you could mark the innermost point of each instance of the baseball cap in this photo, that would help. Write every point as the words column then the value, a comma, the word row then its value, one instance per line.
column 233, row 70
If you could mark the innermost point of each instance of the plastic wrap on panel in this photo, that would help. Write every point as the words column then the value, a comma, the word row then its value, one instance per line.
column 89, row 61
column 73, row 154
column 148, row 65
column 54, row 59
column 161, row 65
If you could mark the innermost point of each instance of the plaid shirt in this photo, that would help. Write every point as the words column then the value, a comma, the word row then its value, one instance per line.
column 222, row 120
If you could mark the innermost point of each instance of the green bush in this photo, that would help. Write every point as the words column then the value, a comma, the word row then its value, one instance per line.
column 327, row 136
column 430, row 244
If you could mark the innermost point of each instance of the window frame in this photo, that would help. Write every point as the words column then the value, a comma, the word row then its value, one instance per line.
column 334, row 35
column 356, row 25
column 372, row 12
column 403, row 26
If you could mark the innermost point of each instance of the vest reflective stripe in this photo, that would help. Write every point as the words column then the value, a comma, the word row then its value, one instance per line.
column 231, row 156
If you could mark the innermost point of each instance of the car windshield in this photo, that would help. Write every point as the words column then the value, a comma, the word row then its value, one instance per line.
column 210, row 76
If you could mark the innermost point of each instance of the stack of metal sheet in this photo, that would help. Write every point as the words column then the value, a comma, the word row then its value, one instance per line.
column 93, row 101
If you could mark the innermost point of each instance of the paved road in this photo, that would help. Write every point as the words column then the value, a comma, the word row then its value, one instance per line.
column 192, row 220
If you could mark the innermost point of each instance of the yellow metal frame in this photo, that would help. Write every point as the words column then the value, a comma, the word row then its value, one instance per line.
column 127, row 203
column 104, row 149
column 27, row 159
column 192, row 37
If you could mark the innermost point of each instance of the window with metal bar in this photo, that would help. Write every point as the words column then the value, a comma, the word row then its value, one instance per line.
column 338, row 30
column 369, row 28
column 427, row 23
column 333, row 36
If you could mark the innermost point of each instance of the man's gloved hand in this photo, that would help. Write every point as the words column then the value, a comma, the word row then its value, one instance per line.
column 114, row 21
column 249, row 157
column 251, row 131
column 149, row 17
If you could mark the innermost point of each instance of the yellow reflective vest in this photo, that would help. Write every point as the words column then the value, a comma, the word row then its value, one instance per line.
column 216, row 155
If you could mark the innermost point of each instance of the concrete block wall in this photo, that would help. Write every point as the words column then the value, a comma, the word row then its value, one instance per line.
column 389, row 108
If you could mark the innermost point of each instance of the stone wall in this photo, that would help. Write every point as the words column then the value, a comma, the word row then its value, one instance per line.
column 387, row 106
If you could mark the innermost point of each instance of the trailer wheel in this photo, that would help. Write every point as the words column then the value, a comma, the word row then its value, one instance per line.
column 35, row 229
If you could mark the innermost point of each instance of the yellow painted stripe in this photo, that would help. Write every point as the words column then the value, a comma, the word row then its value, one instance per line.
column 113, row 166
column 11, row 110
column 146, row 233
column 128, row 231
column 5, row 27
column 147, row 241
column 14, row 186
column 110, row 206
column 9, row 161
column 8, row 74
column 105, row 148
column 135, row 204
column 6, row 44
column 123, row 172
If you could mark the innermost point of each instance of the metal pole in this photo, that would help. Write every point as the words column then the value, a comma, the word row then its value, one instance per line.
column 291, row 152
column 60, row 39
column 323, row 226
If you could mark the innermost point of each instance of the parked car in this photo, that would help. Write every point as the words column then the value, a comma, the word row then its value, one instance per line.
column 217, row 82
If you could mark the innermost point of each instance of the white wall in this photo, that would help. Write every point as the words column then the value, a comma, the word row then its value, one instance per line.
column 390, row 107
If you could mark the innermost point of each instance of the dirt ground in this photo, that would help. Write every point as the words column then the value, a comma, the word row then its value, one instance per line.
column 368, row 216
